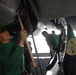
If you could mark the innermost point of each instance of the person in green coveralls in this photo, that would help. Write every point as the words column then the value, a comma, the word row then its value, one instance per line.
column 52, row 41
column 11, row 52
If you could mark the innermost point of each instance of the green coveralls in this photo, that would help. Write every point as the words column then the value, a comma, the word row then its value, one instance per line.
column 11, row 57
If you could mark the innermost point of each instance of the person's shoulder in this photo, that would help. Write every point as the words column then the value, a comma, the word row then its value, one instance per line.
column 15, row 37
column 50, row 34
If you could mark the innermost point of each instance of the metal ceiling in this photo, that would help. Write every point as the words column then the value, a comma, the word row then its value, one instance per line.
column 43, row 9
column 52, row 9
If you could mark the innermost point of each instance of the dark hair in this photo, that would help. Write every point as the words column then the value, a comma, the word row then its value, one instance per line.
column 4, row 29
column 53, row 32
column 44, row 33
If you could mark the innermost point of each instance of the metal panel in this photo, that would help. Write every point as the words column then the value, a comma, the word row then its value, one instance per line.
column 8, row 11
column 51, row 9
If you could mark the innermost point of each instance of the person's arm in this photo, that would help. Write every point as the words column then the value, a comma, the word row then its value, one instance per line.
column 15, row 57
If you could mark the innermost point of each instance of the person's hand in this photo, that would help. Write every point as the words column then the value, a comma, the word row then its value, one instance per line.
column 23, row 34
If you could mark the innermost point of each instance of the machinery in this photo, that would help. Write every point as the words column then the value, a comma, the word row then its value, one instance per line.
column 31, row 12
